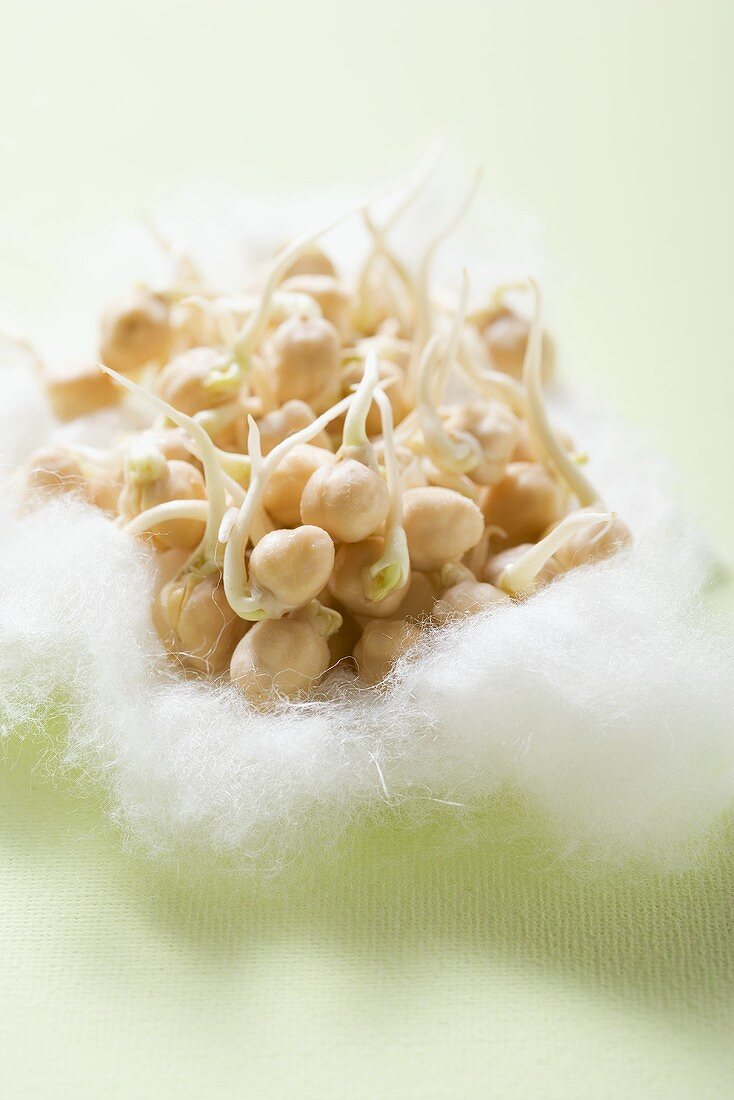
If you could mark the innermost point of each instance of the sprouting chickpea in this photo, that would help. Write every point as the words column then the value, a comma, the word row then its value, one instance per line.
column 174, row 480
column 290, row 568
column 595, row 544
column 349, row 500
column 198, row 379
column 196, row 624
column 78, row 390
column 495, row 566
column 526, row 501
column 440, row 525
column 381, row 645
column 496, row 429
column 311, row 261
column 60, row 469
column 134, row 332
column 505, row 335
column 57, row 470
column 279, row 658
column 173, row 443
column 282, row 497
column 393, row 379
column 348, row 580
column 412, row 472
column 304, row 355
column 331, row 296
column 469, row 597
column 420, row 597
column 168, row 564
column 290, row 418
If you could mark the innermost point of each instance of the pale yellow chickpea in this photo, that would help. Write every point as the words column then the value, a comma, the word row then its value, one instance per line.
column 79, row 389
column 290, row 418
column 347, row 582
column 411, row 471
column 173, row 443
column 505, row 335
column 58, row 469
column 526, row 501
column 495, row 428
column 349, row 500
column 469, row 597
column 600, row 542
column 198, row 379
column 178, row 481
column 196, row 624
column 304, row 355
column 134, row 332
column 381, row 645
column 279, row 658
column 420, row 597
column 282, row 497
column 495, row 566
column 311, row 261
column 440, row 526
column 290, row 568
column 332, row 297
column 168, row 564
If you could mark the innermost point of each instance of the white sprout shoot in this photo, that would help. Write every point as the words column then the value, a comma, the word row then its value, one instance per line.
column 520, row 577
column 448, row 360
column 164, row 513
column 456, row 456
column 218, row 419
column 204, row 558
column 380, row 233
column 543, row 437
column 236, row 534
column 491, row 383
column 422, row 328
column 460, row 454
column 354, row 434
column 284, row 304
column 392, row 569
column 256, row 324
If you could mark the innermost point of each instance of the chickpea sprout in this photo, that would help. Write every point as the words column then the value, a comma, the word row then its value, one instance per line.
column 350, row 498
column 318, row 495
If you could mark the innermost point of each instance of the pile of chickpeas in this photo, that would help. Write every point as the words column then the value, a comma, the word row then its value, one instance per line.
column 313, row 498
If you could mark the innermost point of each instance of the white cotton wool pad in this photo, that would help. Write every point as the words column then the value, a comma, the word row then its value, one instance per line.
column 606, row 700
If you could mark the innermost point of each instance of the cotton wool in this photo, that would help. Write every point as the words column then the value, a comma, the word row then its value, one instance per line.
column 605, row 698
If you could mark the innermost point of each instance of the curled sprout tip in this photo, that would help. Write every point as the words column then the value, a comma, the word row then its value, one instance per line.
column 216, row 492
column 520, row 577
column 355, row 423
column 545, row 440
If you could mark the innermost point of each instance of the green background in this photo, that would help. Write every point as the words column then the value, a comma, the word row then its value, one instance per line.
column 424, row 963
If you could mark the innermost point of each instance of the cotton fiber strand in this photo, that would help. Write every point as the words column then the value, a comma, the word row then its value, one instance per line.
column 606, row 698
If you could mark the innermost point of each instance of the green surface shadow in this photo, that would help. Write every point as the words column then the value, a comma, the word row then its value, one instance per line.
column 399, row 895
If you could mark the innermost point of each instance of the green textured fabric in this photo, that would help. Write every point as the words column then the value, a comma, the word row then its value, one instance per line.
column 414, row 963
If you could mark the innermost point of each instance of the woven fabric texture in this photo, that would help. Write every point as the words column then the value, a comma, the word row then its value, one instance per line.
column 430, row 964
